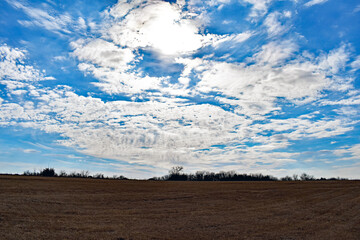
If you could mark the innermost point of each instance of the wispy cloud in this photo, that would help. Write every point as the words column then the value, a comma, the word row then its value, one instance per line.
column 38, row 145
column 357, row 8
column 273, row 24
column 315, row 2
column 46, row 17
column 30, row 151
column 260, row 7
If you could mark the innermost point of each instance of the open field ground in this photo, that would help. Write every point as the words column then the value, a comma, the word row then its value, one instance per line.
column 69, row 208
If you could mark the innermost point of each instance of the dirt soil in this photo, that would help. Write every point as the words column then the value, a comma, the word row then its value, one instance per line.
column 70, row 208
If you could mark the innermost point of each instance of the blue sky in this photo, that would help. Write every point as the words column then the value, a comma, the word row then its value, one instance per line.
column 135, row 87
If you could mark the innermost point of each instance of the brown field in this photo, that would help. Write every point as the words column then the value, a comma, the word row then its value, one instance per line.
column 69, row 208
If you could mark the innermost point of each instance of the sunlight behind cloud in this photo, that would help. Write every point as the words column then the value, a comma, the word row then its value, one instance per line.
column 161, row 26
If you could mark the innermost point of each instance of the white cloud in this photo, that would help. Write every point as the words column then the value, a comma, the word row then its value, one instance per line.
column 115, row 82
column 232, row 39
column 159, row 133
column 275, row 53
column 315, row 2
column 13, row 67
column 274, row 73
column 262, row 82
column 49, row 19
column 347, row 111
column 352, row 100
column 30, row 151
column 357, row 8
column 104, row 54
column 260, row 7
column 356, row 64
column 335, row 61
column 42, row 18
column 38, row 145
column 299, row 128
column 81, row 24
column 348, row 152
column 163, row 133
column 122, row 8
column 274, row 26
column 159, row 27
column 162, row 26
column 59, row 58
column 15, row 74
column 19, row 92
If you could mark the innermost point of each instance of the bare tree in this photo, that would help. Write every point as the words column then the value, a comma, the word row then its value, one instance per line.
column 306, row 177
column 176, row 170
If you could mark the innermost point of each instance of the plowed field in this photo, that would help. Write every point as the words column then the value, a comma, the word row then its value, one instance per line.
column 70, row 208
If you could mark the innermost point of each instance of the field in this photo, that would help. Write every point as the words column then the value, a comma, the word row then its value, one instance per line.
column 69, row 208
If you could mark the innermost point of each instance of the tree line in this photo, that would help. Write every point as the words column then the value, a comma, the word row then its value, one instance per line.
column 176, row 174
column 50, row 172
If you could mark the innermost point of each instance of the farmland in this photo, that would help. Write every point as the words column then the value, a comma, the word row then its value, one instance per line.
column 75, row 208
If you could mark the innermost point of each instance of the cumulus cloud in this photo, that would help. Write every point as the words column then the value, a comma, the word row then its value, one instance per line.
column 15, row 74
column 272, row 76
column 148, row 133
column 165, row 131
column 103, row 54
column 12, row 66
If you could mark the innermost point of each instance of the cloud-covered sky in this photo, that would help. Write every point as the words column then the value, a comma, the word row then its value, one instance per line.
column 135, row 87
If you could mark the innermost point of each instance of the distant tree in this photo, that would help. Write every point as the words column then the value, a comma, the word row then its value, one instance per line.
column 121, row 177
column 306, row 177
column 176, row 170
column 47, row 172
column 175, row 174
column 99, row 175
column 286, row 178
column 62, row 173
column 84, row 174
column 296, row 177
column 199, row 176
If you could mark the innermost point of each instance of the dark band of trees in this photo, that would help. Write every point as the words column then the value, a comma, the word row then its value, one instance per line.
column 176, row 174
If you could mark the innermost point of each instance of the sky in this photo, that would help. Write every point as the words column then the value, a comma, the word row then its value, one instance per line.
column 135, row 87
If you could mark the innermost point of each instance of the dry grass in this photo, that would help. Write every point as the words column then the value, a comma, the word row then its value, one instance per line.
column 68, row 208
